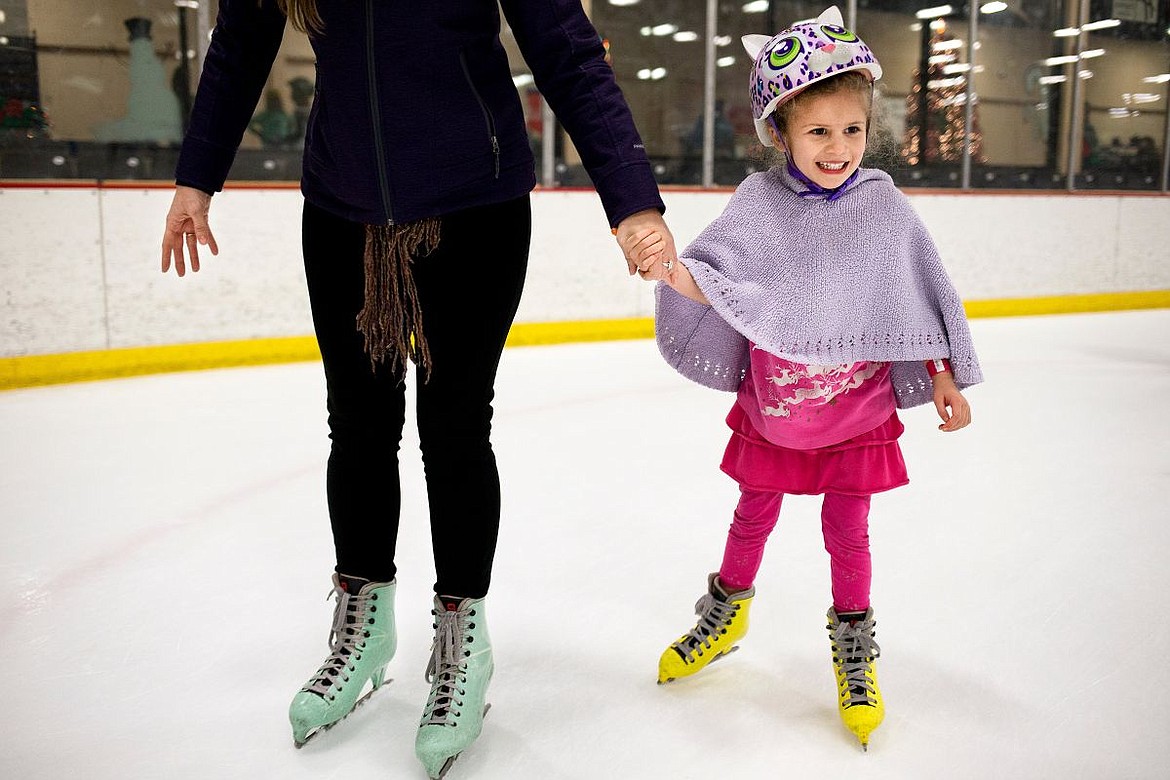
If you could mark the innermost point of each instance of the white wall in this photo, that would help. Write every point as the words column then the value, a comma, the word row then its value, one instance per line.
column 79, row 267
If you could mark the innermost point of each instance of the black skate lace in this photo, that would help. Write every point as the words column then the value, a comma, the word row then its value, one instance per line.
column 855, row 649
column 714, row 617
column 347, row 638
column 446, row 667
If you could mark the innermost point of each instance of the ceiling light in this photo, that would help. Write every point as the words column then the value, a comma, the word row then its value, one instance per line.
column 934, row 12
column 939, row 59
column 723, row 62
column 1140, row 97
column 1091, row 53
column 722, row 40
column 1067, row 32
column 658, row 73
column 945, row 83
column 755, row 7
column 953, row 43
column 1161, row 78
column 664, row 29
column 1085, row 74
column 1103, row 24
column 993, row 7
column 686, row 36
column 1065, row 60
column 1053, row 79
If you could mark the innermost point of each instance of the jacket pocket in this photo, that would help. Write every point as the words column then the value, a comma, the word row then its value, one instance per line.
column 488, row 119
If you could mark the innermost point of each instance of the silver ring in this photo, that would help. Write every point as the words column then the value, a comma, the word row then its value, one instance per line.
column 668, row 264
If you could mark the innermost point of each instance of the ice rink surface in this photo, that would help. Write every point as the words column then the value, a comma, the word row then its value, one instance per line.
column 166, row 557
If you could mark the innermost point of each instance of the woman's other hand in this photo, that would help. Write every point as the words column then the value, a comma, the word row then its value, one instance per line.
column 186, row 228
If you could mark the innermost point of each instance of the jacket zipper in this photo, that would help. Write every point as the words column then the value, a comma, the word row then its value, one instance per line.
column 376, row 114
column 487, row 115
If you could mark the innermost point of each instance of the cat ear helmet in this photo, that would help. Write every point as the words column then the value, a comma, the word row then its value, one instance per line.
column 803, row 54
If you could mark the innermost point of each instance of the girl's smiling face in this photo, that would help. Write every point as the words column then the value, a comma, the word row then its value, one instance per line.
column 825, row 137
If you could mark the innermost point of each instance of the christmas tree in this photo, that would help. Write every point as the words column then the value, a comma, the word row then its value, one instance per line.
column 941, row 114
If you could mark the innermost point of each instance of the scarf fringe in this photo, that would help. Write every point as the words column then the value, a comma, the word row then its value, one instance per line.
column 391, row 318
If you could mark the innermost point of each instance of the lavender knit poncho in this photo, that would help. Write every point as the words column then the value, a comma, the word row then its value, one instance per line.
column 817, row 282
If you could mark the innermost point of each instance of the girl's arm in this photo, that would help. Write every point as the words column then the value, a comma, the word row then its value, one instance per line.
column 952, row 407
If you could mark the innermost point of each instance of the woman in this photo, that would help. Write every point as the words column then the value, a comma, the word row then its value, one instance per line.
column 415, row 232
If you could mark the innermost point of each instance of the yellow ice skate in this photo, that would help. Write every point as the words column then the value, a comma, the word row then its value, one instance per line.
column 723, row 621
column 858, row 697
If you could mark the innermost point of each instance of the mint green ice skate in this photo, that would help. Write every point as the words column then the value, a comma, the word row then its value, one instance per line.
column 459, row 672
column 361, row 642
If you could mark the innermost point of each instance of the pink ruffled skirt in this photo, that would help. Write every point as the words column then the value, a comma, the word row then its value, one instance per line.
column 869, row 463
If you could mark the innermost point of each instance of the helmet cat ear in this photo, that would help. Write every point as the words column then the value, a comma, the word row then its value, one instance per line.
column 754, row 43
column 831, row 15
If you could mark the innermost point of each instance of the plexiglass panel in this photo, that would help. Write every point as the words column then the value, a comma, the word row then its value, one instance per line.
column 1065, row 92
column 1125, row 65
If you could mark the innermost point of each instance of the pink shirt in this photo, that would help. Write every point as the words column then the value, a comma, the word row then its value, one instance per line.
column 807, row 407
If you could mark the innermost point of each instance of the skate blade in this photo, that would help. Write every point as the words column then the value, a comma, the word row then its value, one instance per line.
column 447, row 764
column 728, row 651
column 322, row 729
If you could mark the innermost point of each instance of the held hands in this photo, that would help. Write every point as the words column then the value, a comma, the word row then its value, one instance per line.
column 952, row 407
column 647, row 244
column 187, row 225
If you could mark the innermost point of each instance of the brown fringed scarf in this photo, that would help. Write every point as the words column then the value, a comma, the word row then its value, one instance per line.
column 391, row 319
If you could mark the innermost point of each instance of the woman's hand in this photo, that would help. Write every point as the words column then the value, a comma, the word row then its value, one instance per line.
column 187, row 225
column 952, row 407
column 647, row 243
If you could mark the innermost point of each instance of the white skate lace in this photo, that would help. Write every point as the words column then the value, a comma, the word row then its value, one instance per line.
column 444, row 670
column 856, row 649
column 346, row 639
column 713, row 616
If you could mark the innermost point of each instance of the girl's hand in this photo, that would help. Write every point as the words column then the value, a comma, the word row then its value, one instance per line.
column 187, row 224
column 952, row 407
column 647, row 244
column 680, row 278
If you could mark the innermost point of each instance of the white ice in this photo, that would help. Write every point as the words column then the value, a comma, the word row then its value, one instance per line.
column 166, row 557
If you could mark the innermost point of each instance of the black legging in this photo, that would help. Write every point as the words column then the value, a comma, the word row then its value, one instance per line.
column 469, row 288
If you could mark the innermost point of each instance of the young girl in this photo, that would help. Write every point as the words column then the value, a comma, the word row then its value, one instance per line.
column 818, row 297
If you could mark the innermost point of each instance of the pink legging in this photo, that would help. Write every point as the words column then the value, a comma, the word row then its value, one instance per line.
column 845, row 524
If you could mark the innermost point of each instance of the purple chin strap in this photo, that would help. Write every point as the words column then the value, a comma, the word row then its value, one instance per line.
column 815, row 190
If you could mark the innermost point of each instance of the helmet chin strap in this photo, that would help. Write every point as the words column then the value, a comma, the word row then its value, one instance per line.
column 815, row 190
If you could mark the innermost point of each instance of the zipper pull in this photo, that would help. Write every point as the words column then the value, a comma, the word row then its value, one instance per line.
column 496, row 154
